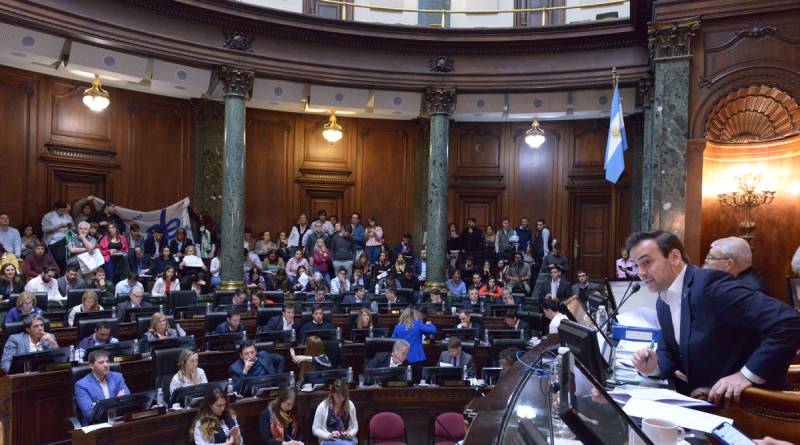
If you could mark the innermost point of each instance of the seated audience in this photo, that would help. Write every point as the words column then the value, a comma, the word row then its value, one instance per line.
column 513, row 322
column 465, row 322
column 317, row 282
column 314, row 358
column 126, row 286
column 46, row 283
column 100, row 384
column 301, row 280
column 10, row 281
column 456, row 286
column 398, row 357
column 254, row 280
column 278, row 423
column 335, row 421
column 436, row 297
column 552, row 310
column 409, row 281
column 733, row 255
column 163, row 261
column 584, row 288
column 239, row 297
column 135, row 301
column 477, row 281
column 319, row 296
column 215, row 422
column 101, row 336
column 189, row 373
column 88, row 304
column 71, row 280
column 294, row 263
column 357, row 297
column 167, row 283
column 491, row 291
column 100, row 282
column 153, row 245
column 316, row 323
column 26, row 305
column 519, row 274
column 159, row 329
column 28, row 240
column 455, row 356
column 114, row 248
column 33, row 264
column 358, row 277
column 340, row 284
column 34, row 339
column 265, row 245
column 283, row 322
column 507, row 297
column 254, row 363
column 82, row 242
column 179, row 244
column 191, row 260
column 556, row 287
column 232, row 324
column 473, row 301
column 139, row 262
column 273, row 262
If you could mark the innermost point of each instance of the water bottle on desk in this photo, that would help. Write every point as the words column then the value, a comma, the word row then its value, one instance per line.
column 377, row 289
column 291, row 379
column 601, row 317
column 160, row 398
column 350, row 374
column 72, row 357
column 229, row 388
column 135, row 346
column 370, row 332
column 294, row 335
column 338, row 333
column 408, row 373
column 559, row 428
column 464, row 375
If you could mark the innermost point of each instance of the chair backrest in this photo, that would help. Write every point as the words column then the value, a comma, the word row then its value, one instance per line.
column 449, row 427
column 15, row 327
column 265, row 313
column 181, row 298
column 275, row 295
column 165, row 365
column 143, row 324
column 75, row 296
column 354, row 319
column 223, row 297
column 213, row 319
column 535, row 320
column 334, row 351
column 86, row 327
column 41, row 300
column 500, row 344
column 386, row 425
column 762, row 412
column 268, row 346
column 326, row 316
column 375, row 345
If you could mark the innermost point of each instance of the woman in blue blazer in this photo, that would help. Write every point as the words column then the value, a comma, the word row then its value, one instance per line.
column 410, row 328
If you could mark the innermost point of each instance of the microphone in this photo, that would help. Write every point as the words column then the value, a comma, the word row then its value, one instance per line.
column 625, row 297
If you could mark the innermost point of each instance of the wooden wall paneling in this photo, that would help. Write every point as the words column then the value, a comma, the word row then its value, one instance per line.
column 589, row 147
column 17, row 126
column 160, row 150
column 73, row 124
column 270, row 140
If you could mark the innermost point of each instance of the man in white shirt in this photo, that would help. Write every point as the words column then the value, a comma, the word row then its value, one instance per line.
column 125, row 286
column 9, row 236
column 550, row 310
column 298, row 234
column 47, row 283
column 56, row 223
column 340, row 284
column 322, row 218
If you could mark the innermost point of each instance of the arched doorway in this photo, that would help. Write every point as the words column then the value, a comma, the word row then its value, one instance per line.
column 753, row 141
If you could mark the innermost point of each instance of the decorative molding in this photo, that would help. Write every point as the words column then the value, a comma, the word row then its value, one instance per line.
column 704, row 82
column 325, row 175
column 646, row 86
column 669, row 40
column 441, row 64
column 238, row 41
column 78, row 154
column 236, row 81
column 756, row 30
column 440, row 100
column 753, row 114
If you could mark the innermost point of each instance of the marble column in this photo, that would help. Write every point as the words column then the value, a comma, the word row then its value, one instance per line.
column 209, row 137
column 440, row 103
column 238, row 85
column 421, row 155
column 670, row 44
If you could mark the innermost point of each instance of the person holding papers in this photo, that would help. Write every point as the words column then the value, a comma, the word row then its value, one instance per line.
column 715, row 330
column 456, row 357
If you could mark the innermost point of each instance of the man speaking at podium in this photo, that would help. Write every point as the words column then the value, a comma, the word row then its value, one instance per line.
column 715, row 331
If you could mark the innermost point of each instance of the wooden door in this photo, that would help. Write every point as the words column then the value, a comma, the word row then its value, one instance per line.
column 591, row 231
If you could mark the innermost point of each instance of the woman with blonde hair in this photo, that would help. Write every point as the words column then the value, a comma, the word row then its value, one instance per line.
column 400, row 265
column 215, row 422
column 411, row 329
column 335, row 421
column 26, row 305
column 364, row 319
column 159, row 329
column 321, row 258
column 314, row 357
column 188, row 372
column 88, row 304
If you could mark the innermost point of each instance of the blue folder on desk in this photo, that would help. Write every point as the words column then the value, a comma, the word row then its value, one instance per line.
column 633, row 333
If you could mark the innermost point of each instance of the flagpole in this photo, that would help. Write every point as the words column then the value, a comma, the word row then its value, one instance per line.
column 614, row 77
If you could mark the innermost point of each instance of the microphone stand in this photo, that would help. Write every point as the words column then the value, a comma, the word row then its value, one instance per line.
column 625, row 297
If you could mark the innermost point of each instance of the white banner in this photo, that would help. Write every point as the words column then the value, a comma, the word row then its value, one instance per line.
column 169, row 218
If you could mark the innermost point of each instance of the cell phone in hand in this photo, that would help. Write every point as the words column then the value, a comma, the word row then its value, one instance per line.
column 233, row 430
column 727, row 434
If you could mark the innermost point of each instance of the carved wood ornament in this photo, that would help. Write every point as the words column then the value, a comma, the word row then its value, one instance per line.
column 754, row 114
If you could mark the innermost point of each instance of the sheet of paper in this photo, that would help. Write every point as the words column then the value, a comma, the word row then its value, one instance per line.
column 89, row 428
column 640, row 318
column 663, row 395
column 445, row 365
column 683, row 417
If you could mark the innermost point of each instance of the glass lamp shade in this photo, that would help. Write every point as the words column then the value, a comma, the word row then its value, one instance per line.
column 535, row 137
column 332, row 131
column 95, row 97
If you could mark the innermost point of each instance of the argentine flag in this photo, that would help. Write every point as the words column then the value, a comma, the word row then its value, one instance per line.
column 617, row 143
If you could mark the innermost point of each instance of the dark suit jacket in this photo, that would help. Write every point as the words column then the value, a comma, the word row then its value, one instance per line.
column 725, row 325
column 273, row 363
column 564, row 290
column 224, row 328
column 522, row 325
column 753, row 280
column 381, row 360
column 463, row 359
column 122, row 308
column 310, row 326
column 151, row 249
column 62, row 285
column 173, row 245
column 275, row 323
column 147, row 263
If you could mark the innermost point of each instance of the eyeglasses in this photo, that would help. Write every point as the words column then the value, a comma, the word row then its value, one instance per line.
column 711, row 258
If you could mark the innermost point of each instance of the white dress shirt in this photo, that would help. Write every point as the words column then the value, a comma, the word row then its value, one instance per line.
column 555, row 322
column 554, row 288
column 51, row 223
column 36, row 285
column 287, row 325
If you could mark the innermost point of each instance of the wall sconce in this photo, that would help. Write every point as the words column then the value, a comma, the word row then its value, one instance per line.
column 95, row 97
column 332, row 131
column 535, row 137
column 747, row 198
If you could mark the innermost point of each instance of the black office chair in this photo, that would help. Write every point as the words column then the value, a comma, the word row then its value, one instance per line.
column 466, row 346
column 265, row 313
column 121, row 298
column 77, row 373
column 181, row 298
column 87, row 327
column 41, row 300
column 326, row 316
column 223, row 297
column 213, row 319
column 354, row 319
column 165, row 365
column 334, row 352
column 15, row 327
column 274, row 295
column 499, row 344
column 537, row 322
column 519, row 298
column 268, row 346
column 404, row 294
column 375, row 345
column 143, row 324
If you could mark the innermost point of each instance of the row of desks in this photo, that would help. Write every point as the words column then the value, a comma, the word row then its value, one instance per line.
column 33, row 407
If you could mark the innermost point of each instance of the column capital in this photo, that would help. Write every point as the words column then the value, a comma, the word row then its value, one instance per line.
column 440, row 100
column 236, row 81
column 667, row 40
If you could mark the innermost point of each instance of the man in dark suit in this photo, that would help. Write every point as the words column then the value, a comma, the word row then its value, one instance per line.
column 283, row 322
column 557, row 287
column 254, row 364
column 140, row 263
column 233, row 323
column 583, row 288
column 390, row 359
column 154, row 244
column 357, row 297
column 70, row 281
column 316, row 323
column 135, row 300
column 455, row 356
column 513, row 322
column 733, row 255
column 715, row 331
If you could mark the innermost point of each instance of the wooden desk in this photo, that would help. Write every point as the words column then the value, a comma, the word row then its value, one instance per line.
column 417, row 406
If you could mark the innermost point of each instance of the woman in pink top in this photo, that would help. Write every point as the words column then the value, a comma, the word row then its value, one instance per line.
column 114, row 248
column 322, row 259
column 374, row 240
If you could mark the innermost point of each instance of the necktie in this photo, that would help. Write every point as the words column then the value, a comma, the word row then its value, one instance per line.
column 454, row 361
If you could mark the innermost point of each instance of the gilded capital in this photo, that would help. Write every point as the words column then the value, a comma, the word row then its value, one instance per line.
column 440, row 100
column 236, row 81
column 667, row 40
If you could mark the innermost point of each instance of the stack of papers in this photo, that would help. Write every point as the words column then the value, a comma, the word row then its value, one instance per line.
column 623, row 394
